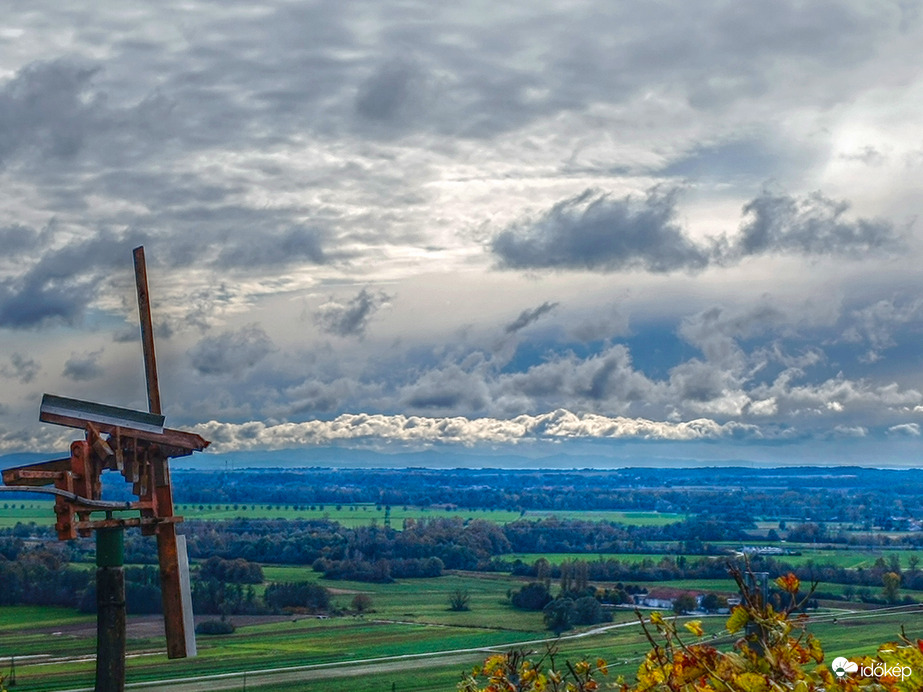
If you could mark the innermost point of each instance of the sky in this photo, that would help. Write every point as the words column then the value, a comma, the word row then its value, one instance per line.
column 530, row 227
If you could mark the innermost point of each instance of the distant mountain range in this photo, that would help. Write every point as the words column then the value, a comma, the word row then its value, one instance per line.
column 598, row 457
column 338, row 457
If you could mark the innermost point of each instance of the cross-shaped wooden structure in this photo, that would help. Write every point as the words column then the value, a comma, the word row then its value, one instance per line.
column 135, row 444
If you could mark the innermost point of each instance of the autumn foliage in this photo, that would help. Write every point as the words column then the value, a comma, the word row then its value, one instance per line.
column 772, row 652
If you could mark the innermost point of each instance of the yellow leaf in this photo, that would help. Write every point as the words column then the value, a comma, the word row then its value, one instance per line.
column 815, row 650
column 738, row 619
column 695, row 626
column 752, row 682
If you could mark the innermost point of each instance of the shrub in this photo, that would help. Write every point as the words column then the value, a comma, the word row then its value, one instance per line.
column 532, row 596
column 312, row 597
column 459, row 600
column 215, row 627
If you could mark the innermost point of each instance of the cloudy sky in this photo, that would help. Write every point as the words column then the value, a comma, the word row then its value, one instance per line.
column 525, row 226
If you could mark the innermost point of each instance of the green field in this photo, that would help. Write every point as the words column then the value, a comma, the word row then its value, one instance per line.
column 309, row 641
column 351, row 515
column 25, row 511
column 408, row 618
column 12, row 618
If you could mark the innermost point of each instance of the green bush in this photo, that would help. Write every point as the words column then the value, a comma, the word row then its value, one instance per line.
column 215, row 627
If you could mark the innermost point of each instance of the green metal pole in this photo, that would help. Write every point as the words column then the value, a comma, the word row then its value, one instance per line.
column 110, row 610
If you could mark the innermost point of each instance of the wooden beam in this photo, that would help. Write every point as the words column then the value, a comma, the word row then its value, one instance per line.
column 91, row 412
column 147, row 332
column 168, row 438
column 171, row 591
column 43, row 473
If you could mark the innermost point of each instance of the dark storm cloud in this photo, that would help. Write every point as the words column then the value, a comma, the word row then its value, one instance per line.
column 84, row 366
column 231, row 352
column 451, row 388
column 814, row 225
column 594, row 231
column 47, row 108
column 37, row 299
column 390, row 93
column 294, row 245
column 21, row 368
column 17, row 240
column 351, row 318
column 700, row 382
column 63, row 281
column 527, row 317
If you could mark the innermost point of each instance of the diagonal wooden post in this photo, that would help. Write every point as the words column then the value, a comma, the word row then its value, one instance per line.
column 170, row 578
column 147, row 332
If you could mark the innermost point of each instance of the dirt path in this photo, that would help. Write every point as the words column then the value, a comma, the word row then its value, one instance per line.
column 264, row 679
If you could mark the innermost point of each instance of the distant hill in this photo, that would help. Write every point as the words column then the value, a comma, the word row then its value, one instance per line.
column 10, row 460
column 337, row 457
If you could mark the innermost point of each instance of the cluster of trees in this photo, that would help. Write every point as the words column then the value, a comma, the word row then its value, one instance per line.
column 565, row 612
column 732, row 493
column 226, row 598
column 577, row 602
column 41, row 575
column 300, row 596
column 236, row 571
column 213, row 597
column 142, row 591
column 381, row 571
column 424, row 548
column 457, row 543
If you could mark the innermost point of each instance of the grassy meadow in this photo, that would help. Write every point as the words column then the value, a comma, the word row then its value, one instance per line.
column 408, row 618
column 42, row 513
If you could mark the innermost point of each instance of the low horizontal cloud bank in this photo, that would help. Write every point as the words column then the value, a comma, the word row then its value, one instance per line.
column 594, row 231
column 555, row 425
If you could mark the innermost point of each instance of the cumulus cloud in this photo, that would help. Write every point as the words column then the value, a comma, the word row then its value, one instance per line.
column 83, row 366
column 17, row 240
column 814, row 225
column 556, row 426
column 48, row 108
column 269, row 249
column 451, row 388
column 256, row 147
column 392, row 94
column 850, row 431
column 63, row 279
column 21, row 368
column 45, row 438
column 351, row 318
column 716, row 332
column 594, row 231
column 527, row 317
column 605, row 381
column 876, row 324
column 231, row 352
column 905, row 430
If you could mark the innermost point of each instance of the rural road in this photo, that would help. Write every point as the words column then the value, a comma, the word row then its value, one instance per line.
column 343, row 669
